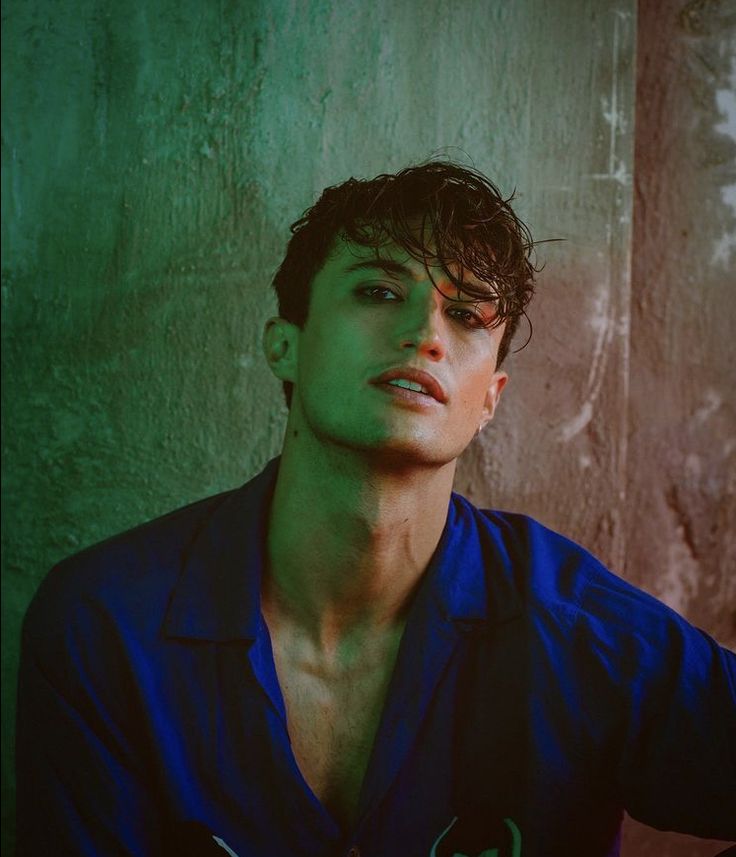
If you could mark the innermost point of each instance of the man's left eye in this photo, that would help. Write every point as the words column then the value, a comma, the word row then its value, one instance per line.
column 468, row 317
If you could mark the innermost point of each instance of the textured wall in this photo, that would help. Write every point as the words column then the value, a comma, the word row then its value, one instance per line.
column 681, row 485
column 682, row 514
column 557, row 449
column 154, row 155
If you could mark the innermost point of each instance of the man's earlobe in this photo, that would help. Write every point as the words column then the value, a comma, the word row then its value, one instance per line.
column 493, row 394
column 280, row 347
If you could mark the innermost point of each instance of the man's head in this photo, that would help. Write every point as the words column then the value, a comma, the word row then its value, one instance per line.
column 464, row 223
column 398, row 298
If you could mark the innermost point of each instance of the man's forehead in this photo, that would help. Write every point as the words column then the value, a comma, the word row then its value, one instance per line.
column 348, row 256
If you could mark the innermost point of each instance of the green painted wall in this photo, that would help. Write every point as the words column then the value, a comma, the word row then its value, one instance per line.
column 153, row 157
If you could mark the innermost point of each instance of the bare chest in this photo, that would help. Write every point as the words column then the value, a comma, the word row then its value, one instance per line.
column 332, row 722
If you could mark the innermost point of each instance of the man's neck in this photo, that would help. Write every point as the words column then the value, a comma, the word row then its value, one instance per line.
column 349, row 538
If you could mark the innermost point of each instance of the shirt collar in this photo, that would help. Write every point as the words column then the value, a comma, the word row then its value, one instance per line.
column 471, row 574
column 217, row 597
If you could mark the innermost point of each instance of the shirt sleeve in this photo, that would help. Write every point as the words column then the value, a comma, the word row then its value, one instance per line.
column 673, row 691
column 82, row 786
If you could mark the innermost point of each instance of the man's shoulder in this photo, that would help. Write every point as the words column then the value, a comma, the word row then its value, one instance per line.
column 587, row 613
column 555, row 574
column 132, row 572
column 546, row 564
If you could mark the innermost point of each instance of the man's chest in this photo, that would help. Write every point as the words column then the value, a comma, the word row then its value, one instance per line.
column 332, row 720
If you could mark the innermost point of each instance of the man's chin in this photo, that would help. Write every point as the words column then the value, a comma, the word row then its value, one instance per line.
column 395, row 446
column 407, row 454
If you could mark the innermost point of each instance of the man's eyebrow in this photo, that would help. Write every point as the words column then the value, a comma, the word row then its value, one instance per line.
column 388, row 266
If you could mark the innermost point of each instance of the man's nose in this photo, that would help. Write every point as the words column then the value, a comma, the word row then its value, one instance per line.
column 423, row 329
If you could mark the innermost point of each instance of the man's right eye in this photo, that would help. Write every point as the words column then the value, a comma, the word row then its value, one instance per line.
column 378, row 294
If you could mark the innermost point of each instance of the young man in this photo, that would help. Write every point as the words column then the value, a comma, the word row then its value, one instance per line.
column 343, row 657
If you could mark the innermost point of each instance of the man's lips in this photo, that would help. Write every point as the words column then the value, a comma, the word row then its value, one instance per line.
column 417, row 376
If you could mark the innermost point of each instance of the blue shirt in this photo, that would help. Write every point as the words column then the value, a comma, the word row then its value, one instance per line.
column 535, row 695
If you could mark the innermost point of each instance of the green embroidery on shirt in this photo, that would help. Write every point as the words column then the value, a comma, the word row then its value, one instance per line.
column 487, row 852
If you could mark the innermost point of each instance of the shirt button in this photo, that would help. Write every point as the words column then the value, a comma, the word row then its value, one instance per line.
column 354, row 852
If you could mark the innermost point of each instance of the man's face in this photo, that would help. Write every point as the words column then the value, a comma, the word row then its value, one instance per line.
column 376, row 324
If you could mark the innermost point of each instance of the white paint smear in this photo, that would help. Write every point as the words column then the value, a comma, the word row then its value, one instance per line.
column 600, row 321
column 574, row 426
column 725, row 245
column 713, row 401
column 680, row 580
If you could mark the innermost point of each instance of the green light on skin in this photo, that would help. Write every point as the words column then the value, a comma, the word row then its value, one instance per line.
column 365, row 476
column 363, row 321
column 363, row 485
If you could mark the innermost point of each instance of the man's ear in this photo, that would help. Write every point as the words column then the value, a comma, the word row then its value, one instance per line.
column 281, row 347
column 493, row 394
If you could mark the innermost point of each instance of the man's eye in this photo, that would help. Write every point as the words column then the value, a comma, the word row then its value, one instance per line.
column 378, row 293
column 477, row 316
column 468, row 317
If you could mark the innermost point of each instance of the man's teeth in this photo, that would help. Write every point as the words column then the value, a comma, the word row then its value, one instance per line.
column 409, row 385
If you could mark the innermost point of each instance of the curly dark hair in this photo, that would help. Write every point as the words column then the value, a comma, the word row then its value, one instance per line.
column 465, row 222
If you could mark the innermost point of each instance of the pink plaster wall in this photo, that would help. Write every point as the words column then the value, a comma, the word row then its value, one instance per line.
column 680, row 510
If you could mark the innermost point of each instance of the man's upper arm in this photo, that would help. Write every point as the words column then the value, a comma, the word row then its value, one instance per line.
column 82, row 787
column 673, row 689
column 680, row 770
